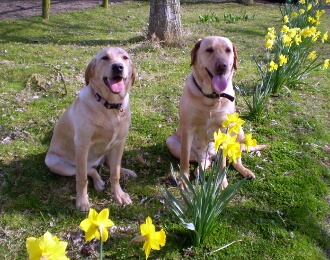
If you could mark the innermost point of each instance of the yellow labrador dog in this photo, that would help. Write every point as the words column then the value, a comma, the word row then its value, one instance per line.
column 207, row 98
column 94, row 129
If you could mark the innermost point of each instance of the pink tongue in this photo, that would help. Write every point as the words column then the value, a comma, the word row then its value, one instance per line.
column 116, row 86
column 219, row 83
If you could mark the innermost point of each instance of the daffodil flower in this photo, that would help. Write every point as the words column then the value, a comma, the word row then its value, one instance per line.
column 233, row 123
column 272, row 66
column 297, row 39
column 286, row 40
column 285, row 19
column 219, row 138
column 283, row 60
column 231, row 148
column 306, row 32
column 269, row 44
column 309, row 7
column 249, row 142
column 319, row 13
column 312, row 55
column 271, row 34
column 96, row 224
column 311, row 20
column 151, row 238
column 326, row 64
column 324, row 37
column 292, row 32
column 47, row 247
column 285, row 29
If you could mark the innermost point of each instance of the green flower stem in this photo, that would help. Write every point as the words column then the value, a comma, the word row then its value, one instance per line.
column 101, row 243
column 101, row 250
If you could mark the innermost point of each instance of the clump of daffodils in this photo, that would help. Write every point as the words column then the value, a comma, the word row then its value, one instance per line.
column 201, row 202
column 289, row 51
column 227, row 141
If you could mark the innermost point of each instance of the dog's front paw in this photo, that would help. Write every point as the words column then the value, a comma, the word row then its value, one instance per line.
column 121, row 197
column 82, row 203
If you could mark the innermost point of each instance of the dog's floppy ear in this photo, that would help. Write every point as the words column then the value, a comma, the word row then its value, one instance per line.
column 89, row 70
column 133, row 76
column 235, row 57
column 194, row 51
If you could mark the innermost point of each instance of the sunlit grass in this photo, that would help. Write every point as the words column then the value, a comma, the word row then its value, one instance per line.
column 279, row 215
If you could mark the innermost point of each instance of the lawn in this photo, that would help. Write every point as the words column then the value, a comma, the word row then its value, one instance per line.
column 282, row 214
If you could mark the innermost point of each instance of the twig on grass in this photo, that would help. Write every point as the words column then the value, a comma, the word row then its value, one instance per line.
column 223, row 247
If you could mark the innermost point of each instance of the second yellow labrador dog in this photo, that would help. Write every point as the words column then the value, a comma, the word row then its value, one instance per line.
column 94, row 129
column 207, row 98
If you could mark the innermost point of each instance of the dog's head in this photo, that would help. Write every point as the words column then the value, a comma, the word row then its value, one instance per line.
column 111, row 68
column 214, row 57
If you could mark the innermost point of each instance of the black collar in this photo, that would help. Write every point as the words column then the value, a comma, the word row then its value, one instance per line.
column 214, row 95
column 107, row 104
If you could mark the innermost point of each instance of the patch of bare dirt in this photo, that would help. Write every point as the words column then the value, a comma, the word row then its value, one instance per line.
column 17, row 9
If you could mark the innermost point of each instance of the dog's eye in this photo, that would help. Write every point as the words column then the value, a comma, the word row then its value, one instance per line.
column 125, row 57
column 105, row 58
column 210, row 50
column 228, row 50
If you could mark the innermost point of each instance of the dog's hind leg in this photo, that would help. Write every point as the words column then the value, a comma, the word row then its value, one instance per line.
column 98, row 183
column 63, row 168
column 59, row 166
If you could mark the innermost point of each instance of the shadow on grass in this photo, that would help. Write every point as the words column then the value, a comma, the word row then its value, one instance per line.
column 28, row 185
column 37, row 31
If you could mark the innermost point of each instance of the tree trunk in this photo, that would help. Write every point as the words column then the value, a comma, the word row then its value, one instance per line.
column 45, row 9
column 105, row 4
column 165, row 21
column 247, row 2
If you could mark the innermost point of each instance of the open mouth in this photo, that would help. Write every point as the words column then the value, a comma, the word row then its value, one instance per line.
column 115, row 84
column 219, row 81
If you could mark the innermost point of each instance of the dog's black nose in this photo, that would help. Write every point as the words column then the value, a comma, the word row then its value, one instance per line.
column 117, row 67
column 221, row 66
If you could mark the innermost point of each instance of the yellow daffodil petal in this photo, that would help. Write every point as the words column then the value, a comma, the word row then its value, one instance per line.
column 161, row 237
column 218, row 139
column 105, row 234
column 33, row 248
column 249, row 142
column 146, row 248
column 46, row 247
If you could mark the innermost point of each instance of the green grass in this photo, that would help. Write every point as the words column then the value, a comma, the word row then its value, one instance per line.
column 282, row 214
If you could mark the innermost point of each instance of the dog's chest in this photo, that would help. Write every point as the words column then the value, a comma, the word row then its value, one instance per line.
column 207, row 124
column 109, row 132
